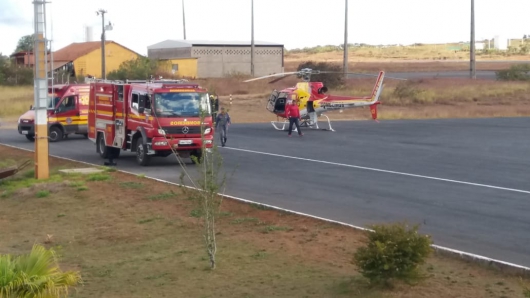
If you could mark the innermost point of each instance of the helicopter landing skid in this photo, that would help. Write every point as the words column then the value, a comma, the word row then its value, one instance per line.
column 284, row 124
column 310, row 124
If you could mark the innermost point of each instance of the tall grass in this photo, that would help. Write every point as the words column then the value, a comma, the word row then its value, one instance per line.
column 412, row 52
column 15, row 100
column 252, row 96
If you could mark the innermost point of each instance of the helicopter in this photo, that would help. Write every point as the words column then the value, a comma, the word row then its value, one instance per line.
column 313, row 99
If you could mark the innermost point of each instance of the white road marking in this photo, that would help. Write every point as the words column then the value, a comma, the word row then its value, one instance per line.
column 442, row 248
column 384, row 171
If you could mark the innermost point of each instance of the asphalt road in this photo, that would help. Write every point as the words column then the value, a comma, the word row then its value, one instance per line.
column 467, row 182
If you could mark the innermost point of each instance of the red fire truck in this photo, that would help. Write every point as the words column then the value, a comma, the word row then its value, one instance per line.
column 149, row 118
column 67, row 113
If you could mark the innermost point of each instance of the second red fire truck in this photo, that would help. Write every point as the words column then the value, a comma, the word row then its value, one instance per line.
column 149, row 118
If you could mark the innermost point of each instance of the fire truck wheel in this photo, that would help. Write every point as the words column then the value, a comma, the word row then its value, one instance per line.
column 101, row 147
column 56, row 134
column 141, row 153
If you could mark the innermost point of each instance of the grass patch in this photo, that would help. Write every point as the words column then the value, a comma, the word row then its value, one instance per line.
column 126, row 245
column 269, row 229
column 43, row 193
column 162, row 196
column 131, row 184
column 98, row 177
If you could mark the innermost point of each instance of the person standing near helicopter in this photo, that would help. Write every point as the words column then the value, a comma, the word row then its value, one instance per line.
column 293, row 114
column 223, row 120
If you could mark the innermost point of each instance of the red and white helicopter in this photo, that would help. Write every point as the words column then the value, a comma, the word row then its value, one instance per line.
column 313, row 100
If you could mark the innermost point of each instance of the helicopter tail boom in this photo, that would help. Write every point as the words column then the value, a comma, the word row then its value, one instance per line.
column 378, row 88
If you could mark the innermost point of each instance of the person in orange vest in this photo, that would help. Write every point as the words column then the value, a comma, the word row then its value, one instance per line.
column 293, row 114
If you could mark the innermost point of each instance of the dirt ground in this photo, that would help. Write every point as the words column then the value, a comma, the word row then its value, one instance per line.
column 133, row 237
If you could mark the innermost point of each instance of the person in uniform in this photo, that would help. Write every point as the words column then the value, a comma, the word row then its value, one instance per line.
column 223, row 120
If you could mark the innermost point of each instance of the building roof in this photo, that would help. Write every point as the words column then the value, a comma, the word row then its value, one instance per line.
column 21, row 53
column 78, row 49
column 170, row 43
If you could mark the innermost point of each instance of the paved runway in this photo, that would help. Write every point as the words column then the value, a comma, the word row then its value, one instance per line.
column 467, row 182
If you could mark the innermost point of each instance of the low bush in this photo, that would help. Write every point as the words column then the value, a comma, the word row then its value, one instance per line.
column 518, row 72
column 392, row 252
column 408, row 91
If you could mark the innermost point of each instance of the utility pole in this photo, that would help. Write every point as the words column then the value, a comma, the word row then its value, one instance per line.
column 42, row 170
column 252, row 71
column 183, row 20
column 103, row 72
column 346, row 37
column 472, row 69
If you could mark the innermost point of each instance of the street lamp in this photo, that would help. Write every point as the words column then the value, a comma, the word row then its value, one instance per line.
column 345, row 37
column 103, row 29
column 252, row 70
column 183, row 20
column 472, row 66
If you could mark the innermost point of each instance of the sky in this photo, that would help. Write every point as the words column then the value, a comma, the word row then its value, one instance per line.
column 294, row 23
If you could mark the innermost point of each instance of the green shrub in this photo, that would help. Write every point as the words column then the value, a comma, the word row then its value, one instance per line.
column 392, row 252
column 518, row 72
column 331, row 80
column 408, row 91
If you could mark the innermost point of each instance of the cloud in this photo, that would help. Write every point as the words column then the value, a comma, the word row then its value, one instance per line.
column 10, row 14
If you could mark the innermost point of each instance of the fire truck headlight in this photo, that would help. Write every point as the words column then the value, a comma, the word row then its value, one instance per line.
column 162, row 132
column 207, row 131
column 162, row 143
column 208, row 141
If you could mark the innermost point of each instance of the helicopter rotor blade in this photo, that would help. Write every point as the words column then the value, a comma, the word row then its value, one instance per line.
column 363, row 74
column 279, row 79
column 271, row 76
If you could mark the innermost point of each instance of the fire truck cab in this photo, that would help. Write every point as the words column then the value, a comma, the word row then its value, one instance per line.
column 149, row 118
column 67, row 113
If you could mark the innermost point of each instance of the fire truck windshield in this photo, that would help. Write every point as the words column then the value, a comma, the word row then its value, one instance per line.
column 188, row 104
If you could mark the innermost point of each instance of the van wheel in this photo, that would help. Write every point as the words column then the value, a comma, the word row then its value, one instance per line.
column 101, row 147
column 56, row 134
column 30, row 138
column 141, row 153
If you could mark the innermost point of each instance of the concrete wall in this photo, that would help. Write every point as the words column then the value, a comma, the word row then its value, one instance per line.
column 90, row 64
column 223, row 61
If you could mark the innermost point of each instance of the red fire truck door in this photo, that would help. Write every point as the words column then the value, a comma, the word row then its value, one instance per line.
column 119, row 116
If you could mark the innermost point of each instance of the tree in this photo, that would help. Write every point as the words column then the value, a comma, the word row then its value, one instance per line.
column 25, row 43
column 140, row 68
column 4, row 65
column 206, row 195
column 35, row 275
